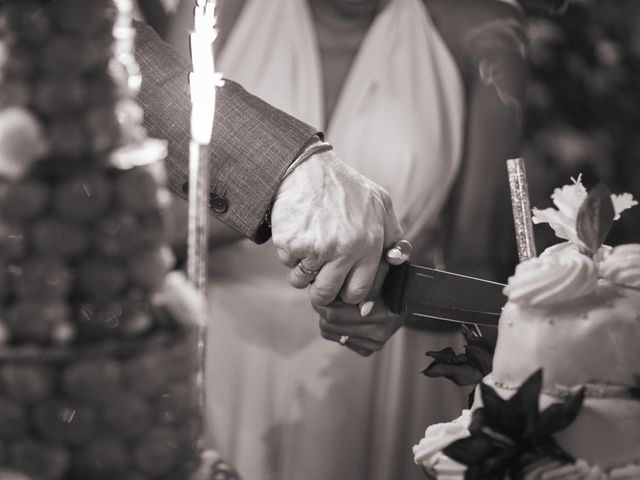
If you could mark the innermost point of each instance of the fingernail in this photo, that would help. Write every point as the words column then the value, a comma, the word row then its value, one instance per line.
column 366, row 307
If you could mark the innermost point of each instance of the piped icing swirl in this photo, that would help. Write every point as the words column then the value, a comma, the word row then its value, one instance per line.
column 557, row 276
column 622, row 265
column 428, row 452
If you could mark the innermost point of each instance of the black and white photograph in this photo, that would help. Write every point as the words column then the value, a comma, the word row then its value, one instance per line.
column 319, row 240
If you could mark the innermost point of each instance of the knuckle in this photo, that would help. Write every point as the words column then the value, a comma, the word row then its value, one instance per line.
column 354, row 294
column 297, row 282
column 330, row 316
column 324, row 293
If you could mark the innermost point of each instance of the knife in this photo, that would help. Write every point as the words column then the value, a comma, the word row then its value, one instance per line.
column 430, row 293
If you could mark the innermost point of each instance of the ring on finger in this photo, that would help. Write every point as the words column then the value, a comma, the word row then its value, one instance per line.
column 307, row 272
column 343, row 340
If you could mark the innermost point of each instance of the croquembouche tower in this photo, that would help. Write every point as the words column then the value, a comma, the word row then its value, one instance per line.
column 97, row 377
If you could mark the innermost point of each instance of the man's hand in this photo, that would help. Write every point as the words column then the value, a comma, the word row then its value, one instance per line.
column 329, row 219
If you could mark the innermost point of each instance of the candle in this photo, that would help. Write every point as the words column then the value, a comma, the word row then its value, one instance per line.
column 521, row 208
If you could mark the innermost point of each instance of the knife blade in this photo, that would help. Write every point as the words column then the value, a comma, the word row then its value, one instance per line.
column 436, row 294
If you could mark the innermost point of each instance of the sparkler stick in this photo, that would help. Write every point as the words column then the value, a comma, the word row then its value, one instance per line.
column 203, row 82
column 521, row 208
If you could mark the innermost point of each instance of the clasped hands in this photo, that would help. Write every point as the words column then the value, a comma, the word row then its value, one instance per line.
column 331, row 227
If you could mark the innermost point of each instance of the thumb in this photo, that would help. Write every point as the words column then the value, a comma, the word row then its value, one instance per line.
column 396, row 255
column 392, row 228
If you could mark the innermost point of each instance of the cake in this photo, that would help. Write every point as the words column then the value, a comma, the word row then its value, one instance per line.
column 97, row 357
column 563, row 398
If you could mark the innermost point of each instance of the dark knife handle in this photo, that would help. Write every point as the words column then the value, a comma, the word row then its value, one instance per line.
column 394, row 286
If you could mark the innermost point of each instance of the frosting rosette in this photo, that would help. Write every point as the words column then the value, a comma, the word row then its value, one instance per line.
column 428, row 452
column 622, row 265
column 552, row 278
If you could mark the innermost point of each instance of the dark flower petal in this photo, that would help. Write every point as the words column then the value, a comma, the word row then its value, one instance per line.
column 477, row 421
column 492, row 402
column 559, row 416
column 446, row 355
column 501, row 463
column 461, row 375
column 635, row 390
column 540, row 454
column 479, row 473
column 525, row 401
column 471, row 450
column 501, row 415
column 480, row 357
column 549, row 448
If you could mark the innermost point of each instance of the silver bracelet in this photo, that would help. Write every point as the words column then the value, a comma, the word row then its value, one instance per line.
column 316, row 147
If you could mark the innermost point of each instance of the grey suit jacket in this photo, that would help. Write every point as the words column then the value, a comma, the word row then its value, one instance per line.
column 253, row 143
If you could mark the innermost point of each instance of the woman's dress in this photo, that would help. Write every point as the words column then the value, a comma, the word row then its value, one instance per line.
column 285, row 404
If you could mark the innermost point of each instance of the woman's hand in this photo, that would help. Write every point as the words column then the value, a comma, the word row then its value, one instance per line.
column 343, row 323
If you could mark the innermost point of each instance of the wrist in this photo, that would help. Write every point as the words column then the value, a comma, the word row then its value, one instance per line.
column 313, row 149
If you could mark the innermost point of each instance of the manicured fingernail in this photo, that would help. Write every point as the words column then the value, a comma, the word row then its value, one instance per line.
column 366, row 307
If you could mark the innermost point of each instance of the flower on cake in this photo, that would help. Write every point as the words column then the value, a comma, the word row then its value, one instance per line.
column 584, row 218
column 575, row 206
column 507, row 437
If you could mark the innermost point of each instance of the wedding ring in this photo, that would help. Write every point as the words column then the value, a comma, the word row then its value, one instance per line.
column 305, row 271
column 343, row 340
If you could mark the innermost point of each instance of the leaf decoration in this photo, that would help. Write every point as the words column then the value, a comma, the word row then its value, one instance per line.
column 595, row 218
column 463, row 369
column 508, row 436
column 559, row 416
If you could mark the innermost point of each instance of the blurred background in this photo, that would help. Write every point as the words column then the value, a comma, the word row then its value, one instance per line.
column 582, row 112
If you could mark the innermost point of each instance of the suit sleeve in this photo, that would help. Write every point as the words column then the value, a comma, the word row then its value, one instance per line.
column 253, row 143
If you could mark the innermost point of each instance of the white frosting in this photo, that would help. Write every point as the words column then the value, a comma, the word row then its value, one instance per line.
column 553, row 278
column 562, row 310
column 622, row 265
column 428, row 452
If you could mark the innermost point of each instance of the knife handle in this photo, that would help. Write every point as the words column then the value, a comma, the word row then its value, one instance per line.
column 394, row 286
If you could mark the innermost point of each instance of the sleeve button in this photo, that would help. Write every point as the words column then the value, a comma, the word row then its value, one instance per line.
column 217, row 203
